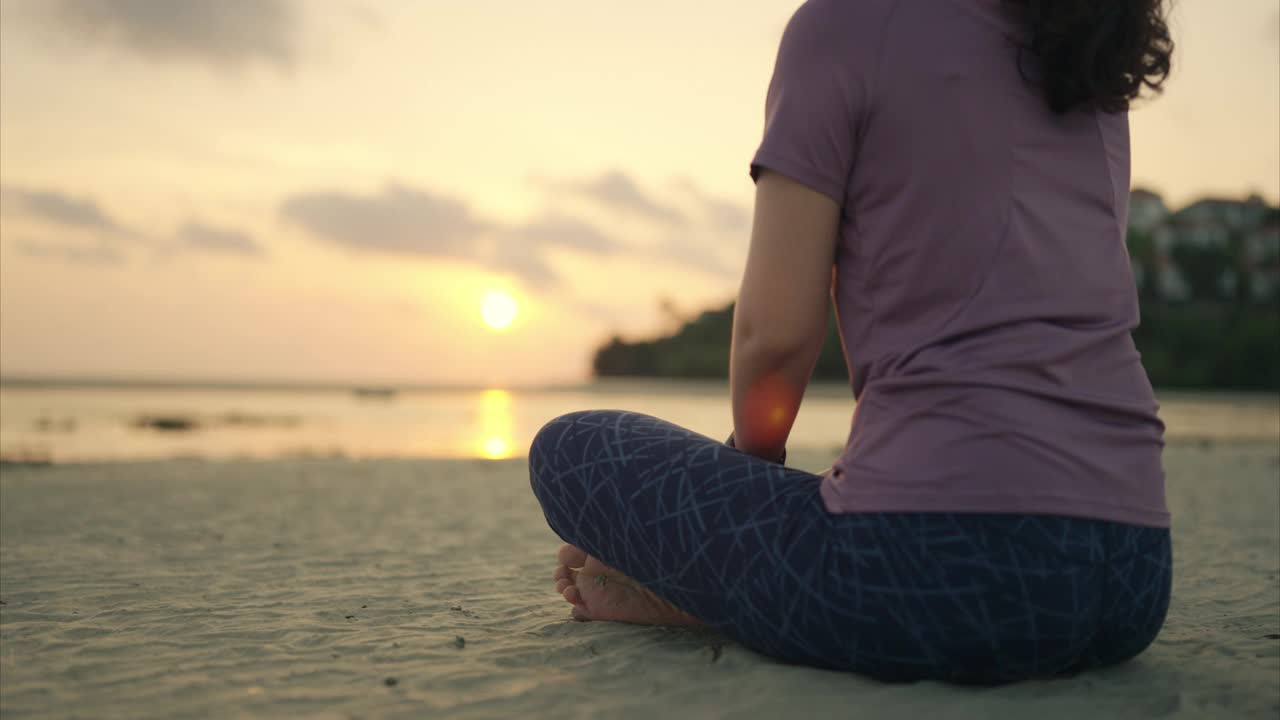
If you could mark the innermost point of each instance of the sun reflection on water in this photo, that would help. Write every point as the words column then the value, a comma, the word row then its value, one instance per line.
column 495, row 440
column 495, row 448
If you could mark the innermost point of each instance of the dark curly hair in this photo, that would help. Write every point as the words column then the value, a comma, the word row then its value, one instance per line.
column 1095, row 54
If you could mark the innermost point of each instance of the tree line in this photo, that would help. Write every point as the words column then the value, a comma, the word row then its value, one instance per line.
column 1205, row 344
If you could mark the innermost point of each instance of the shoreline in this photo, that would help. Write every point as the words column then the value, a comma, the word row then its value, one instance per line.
column 1200, row 442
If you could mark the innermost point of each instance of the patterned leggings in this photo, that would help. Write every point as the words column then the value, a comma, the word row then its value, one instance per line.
column 747, row 547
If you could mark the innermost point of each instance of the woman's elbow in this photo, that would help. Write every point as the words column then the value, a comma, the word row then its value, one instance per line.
column 771, row 345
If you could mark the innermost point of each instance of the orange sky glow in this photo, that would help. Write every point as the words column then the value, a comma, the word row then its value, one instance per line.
column 334, row 191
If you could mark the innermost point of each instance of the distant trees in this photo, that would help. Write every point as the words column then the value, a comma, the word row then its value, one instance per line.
column 1208, row 280
column 699, row 349
column 1205, row 345
column 1204, row 268
column 1144, row 260
column 1227, row 346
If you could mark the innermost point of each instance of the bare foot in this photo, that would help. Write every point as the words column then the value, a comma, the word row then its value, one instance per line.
column 599, row 592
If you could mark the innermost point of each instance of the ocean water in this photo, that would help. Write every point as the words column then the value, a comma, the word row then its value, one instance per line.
column 50, row 423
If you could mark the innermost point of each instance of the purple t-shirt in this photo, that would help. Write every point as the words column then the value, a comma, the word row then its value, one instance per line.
column 983, row 287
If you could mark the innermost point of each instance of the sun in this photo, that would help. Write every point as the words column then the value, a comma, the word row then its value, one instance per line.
column 498, row 309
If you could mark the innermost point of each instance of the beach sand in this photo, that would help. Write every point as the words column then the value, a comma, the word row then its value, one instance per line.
column 359, row 589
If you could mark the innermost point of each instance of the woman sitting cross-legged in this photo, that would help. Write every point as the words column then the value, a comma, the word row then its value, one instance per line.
column 954, row 176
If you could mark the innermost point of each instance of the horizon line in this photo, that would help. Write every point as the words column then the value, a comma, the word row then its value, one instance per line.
column 37, row 381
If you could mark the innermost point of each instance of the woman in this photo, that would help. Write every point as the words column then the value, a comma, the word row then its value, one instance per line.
column 955, row 176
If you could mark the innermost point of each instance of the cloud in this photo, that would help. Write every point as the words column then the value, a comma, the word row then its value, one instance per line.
column 399, row 220
column 114, row 239
column 195, row 235
column 617, row 191
column 695, row 256
column 61, row 209
column 721, row 215
column 525, row 262
column 565, row 232
column 409, row 221
column 223, row 33
column 100, row 254
column 726, row 215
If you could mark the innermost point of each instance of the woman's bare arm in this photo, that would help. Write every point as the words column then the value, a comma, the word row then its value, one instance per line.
column 781, row 315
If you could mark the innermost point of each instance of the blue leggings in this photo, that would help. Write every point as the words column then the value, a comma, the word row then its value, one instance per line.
column 747, row 547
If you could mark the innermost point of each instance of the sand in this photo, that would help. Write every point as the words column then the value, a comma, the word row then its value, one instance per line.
column 350, row 589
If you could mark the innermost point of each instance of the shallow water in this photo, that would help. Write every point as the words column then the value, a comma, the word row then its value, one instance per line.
column 69, row 424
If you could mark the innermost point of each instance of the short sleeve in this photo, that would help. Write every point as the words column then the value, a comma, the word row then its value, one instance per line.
column 815, row 102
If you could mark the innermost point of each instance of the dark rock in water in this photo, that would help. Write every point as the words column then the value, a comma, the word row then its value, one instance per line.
column 52, row 425
column 390, row 682
column 349, row 617
column 459, row 642
column 374, row 393
column 1271, row 636
column 166, row 423
column 253, row 420
column 24, row 461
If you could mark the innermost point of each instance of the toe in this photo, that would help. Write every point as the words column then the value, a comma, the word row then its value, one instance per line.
column 572, row 595
column 565, row 577
column 571, row 556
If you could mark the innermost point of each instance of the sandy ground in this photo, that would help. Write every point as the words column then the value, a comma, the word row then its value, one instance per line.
column 422, row 589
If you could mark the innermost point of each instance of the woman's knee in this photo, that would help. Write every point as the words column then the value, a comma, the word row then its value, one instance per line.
column 558, row 471
column 551, row 445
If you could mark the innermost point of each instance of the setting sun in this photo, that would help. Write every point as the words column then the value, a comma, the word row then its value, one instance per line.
column 498, row 309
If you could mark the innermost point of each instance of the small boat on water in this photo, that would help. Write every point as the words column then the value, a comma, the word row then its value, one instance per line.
column 375, row 393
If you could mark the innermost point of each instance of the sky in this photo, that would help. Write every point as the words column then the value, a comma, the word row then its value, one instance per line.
column 327, row 191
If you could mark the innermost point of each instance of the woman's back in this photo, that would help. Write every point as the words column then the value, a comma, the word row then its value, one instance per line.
column 983, row 286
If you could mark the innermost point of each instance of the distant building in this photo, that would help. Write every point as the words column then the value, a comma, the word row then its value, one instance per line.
column 1261, row 259
column 1147, row 210
column 1248, row 229
column 1170, row 283
column 1227, row 213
